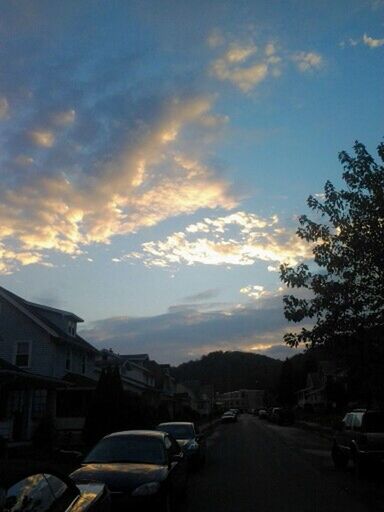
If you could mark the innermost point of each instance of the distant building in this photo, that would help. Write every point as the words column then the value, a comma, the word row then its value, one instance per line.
column 245, row 399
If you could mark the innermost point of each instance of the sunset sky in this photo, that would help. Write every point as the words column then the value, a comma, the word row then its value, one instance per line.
column 155, row 156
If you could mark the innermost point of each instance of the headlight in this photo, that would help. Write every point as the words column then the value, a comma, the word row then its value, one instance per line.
column 146, row 489
column 193, row 446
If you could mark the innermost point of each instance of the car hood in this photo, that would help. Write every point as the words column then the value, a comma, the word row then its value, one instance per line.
column 120, row 476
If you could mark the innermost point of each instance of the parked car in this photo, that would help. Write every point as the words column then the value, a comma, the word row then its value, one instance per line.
column 359, row 437
column 229, row 417
column 142, row 469
column 191, row 442
column 47, row 491
column 262, row 414
column 274, row 414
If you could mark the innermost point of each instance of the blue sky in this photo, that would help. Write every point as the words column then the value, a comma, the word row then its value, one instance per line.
column 155, row 156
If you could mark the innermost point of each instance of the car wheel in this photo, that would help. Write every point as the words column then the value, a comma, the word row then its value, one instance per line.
column 339, row 459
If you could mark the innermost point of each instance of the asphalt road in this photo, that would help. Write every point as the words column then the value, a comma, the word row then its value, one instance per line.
column 256, row 467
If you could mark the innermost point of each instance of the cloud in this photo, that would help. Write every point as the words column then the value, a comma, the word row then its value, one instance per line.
column 43, row 138
column 371, row 42
column 4, row 108
column 237, row 239
column 205, row 295
column 244, row 66
column 308, row 61
column 64, row 118
column 366, row 40
column 182, row 334
column 146, row 182
column 254, row 291
column 215, row 39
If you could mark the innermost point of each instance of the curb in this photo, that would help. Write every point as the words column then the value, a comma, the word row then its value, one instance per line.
column 315, row 427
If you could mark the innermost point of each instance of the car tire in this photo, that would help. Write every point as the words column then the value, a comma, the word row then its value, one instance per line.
column 340, row 460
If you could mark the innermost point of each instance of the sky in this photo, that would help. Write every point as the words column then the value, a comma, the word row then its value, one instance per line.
column 155, row 157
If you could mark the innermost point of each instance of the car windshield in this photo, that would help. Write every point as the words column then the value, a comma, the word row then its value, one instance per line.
column 178, row 431
column 374, row 422
column 140, row 449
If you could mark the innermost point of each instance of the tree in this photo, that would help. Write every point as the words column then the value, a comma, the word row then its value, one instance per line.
column 344, row 288
column 108, row 412
column 347, row 285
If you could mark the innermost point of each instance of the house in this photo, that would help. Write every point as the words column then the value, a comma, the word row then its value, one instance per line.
column 200, row 398
column 40, row 344
column 25, row 398
column 135, row 376
column 42, row 339
column 245, row 399
column 315, row 394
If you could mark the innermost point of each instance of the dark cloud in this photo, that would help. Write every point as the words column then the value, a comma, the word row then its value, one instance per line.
column 205, row 295
column 181, row 335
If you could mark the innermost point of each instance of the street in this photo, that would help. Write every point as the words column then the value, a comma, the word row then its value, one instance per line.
column 256, row 466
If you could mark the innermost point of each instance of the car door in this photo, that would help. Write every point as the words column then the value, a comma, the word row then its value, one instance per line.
column 177, row 466
column 343, row 437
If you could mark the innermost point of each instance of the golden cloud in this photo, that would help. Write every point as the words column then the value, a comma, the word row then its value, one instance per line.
column 64, row 118
column 44, row 138
column 237, row 239
column 143, row 186
column 371, row 42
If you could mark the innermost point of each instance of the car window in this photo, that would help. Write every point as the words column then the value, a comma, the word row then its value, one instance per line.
column 147, row 450
column 178, row 431
column 348, row 421
column 356, row 421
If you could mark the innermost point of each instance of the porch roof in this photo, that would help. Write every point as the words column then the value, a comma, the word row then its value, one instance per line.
column 15, row 376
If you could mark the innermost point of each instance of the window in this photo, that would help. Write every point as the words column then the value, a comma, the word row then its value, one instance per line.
column 72, row 328
column 68, row 359
column 23, row 349
column 39, row 404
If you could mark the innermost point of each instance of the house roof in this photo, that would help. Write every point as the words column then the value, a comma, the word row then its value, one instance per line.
column 78, row 380
column 31, row 310
column 135, row 358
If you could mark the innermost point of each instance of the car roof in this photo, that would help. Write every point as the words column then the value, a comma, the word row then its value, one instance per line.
column 141, row 433
column 183, row 423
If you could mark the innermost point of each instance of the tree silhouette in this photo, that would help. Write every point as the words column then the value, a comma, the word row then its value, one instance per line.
column 344, row 286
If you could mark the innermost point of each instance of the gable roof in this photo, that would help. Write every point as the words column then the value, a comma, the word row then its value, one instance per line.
column 31, row 311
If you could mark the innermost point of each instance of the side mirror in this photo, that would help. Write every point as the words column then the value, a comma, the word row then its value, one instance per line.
column 177, row 457
column 199, row 437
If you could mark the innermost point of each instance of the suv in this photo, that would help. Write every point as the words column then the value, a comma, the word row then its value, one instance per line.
column 359, row 437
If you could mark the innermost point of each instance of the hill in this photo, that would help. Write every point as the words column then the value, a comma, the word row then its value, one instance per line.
column 229, row 371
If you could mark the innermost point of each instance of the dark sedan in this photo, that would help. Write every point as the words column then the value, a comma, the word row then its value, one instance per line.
column 143, row 469
column 192, row 443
